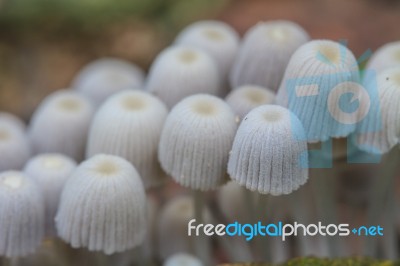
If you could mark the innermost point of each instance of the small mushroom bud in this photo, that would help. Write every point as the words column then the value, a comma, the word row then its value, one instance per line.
column 12, row 120
column 50, row 172
column 216, row 38
column 14, row 146
column 385, row 57
column 265, row 52
column 182, row 259
column 173, row 226
column 103, row 206
column 380, row 134
column 129, row 125
column 103, row 77
column 245, row 98
column 319, row 73
column 196, row 140
column 21, row 215
column 269, row 154
column 179, row 72
column 61, row 124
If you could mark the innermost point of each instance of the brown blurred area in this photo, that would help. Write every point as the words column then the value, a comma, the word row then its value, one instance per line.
column 35, row 62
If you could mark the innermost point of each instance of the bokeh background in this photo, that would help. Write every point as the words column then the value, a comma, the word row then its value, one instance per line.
column 44, row 43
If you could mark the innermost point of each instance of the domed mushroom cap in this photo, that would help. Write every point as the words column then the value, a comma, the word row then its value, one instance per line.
column 103, row 77
column 60, row 124
column 385, row 57
column 216, row 38
column 14, row 147
column 319, row 73
column 265, row 52
column 231, row 199
column 173, row 226
column 182, row 259
column 196, row 140
column 12, row 120
column 381, row 132
column 178, row 72
column 129, row 125
column 50, row 172
column 269, row 154
column 21, row 216
column 103, row 206
column 245, row 98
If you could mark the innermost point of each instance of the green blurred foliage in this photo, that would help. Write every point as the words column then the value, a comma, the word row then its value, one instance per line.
column 92, row 15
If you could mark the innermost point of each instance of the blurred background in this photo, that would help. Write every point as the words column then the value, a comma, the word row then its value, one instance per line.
column 44, row 43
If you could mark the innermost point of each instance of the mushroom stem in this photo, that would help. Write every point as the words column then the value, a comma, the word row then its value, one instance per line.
column 324, row 187
column 390, row 246
column 202, row 246
column 378, row 199
column 263, row 245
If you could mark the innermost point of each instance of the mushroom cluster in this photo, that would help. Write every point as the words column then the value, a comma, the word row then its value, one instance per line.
column 120, row 163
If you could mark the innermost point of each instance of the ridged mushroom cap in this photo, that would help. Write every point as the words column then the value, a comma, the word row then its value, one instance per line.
column 129, row 125
column 60, row 124
column 216, row 38
column 264, row 53
column 14, row 147
column 245, row 98
column 269, row 153
column 319, row 73
column 386, row 56
column 381, row 132
column 103, row 77
column 181, row 71
column 196, row 141
column 50, row 172
column 103, row 206
column 21, row 215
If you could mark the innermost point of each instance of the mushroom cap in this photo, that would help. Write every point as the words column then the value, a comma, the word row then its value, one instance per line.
column 245, row 98
column 129, row 125
column 14, row 146
column 386, row 56
column 50, row 172
column 173, row 225
column 12, row 120
column 196, row 140
column 103, row 77
column 60, row 124
column 182, row 259
column 216, row 38
column 103, row 206
column 381, row 132
column 181, row 71
column 319, row 73
column 264, row 53
column 269, row 153
column 22, row 215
